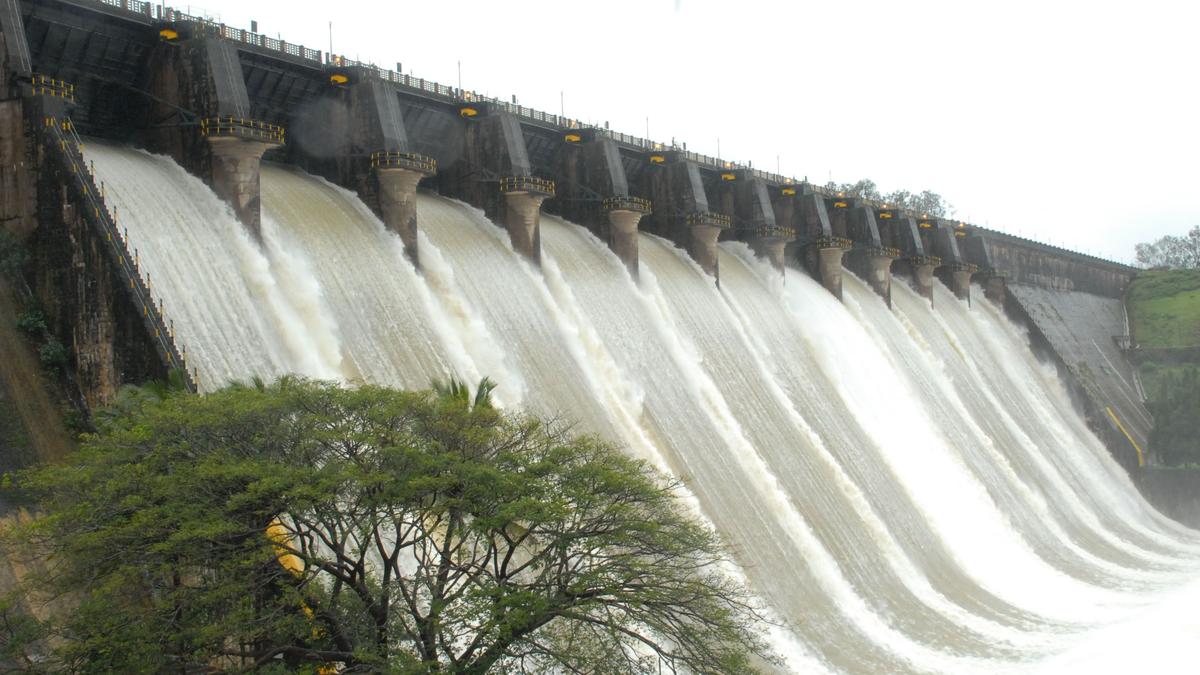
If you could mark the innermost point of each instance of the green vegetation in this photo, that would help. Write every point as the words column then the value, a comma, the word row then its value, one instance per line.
column 926, row 201
column 1164, row 308
column 303, row 527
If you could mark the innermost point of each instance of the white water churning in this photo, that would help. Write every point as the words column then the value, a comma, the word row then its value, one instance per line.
column 907, row 488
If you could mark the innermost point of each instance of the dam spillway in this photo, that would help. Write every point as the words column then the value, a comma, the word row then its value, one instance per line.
column 908, row 489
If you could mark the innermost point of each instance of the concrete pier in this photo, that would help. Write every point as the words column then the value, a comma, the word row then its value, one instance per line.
column 235, row 178
column 830, row 268
column 682, row 209
column 995, row 288
column 771, row 245
column 398, row 204
column 593, row 190
column 879, row 275
column 823, row 250
column 922, row 275
column 960, row 281
column 623, row 231
column 522, row 217
column 703, row 248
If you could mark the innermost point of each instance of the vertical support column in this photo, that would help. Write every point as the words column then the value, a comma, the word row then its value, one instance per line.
column 623, row 237
column 703, row 248
column 398, row 202
column 236, row 166
column 830, row 269
column 772, row 249
column 523, row 197
column 960, row 283
column 923, row 277
column 994, row 289
column 880, row 276
column 522, row 219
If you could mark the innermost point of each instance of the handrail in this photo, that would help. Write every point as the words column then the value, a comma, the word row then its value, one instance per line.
column 527, row 184
column 626, row 203
column 394, row 159
column 241, row 127
column 63, row 137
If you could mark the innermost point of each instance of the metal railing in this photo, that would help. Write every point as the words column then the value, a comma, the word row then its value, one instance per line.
column 393, row 159
column 925, row 260
column 241, row 127
column 710, row 218
column 626, row 203
column 42, row 85
column 532, row 184
column 60, row 136
column 831, row 242
column 775, row 232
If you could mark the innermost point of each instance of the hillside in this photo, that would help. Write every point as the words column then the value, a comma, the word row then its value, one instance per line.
column 1164, row 315
column 1164, row 307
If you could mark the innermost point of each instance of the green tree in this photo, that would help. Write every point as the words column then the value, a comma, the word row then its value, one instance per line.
column 301, row 525
column 1170, row 252
column 926, row 201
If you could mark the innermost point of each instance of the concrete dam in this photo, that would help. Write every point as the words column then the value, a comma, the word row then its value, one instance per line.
column 916, row 435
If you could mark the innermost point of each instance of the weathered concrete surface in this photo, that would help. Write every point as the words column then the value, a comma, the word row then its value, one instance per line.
column 1036, row 264
column 593, row 191
column 922, row 279
column 773, row 249
column 994, row 289
column 880, row 276
column 829, row 270
column 677, row 189
column 202, row 77
column 623, row 237
column 960, row 283
column 522, row 219
column 822, row 256
column 703, row 248
column 235, row 178
column 17, row 186
column 1174, row 492
column 1079, row 328
column 398, row 206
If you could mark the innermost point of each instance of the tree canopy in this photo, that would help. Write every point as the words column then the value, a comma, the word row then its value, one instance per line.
column 1170, row 252
column 302, row 526
column 926, row 201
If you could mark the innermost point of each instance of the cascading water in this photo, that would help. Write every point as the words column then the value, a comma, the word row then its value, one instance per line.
column 907, row 488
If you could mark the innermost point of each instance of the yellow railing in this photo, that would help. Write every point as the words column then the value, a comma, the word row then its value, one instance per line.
column 61, row 136
column 776, row 232
column 48, row 86
column 527, row 184
column 626, row 203
column 710, row 218
column 833, row 242
column 393, row 159
column 241, row 127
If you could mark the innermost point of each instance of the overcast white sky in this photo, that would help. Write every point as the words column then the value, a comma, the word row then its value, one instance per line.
column 1069, row 122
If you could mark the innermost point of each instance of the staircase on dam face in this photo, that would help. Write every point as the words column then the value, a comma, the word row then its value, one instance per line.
column 60, row 138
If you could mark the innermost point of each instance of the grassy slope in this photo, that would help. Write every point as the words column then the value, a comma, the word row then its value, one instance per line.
column 1164, row 306
column 1164, row 312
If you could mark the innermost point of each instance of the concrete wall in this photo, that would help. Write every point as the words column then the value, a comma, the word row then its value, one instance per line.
column 1037, row 264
